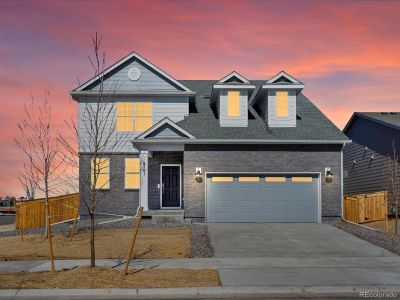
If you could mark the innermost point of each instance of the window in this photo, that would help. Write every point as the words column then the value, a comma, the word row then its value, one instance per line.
column 275, row 179
column 233, row 104
column 222, row 179
column 102, row 171
column 132, row 173
column 301, row 179
column 134, row 116
column 282, row 104
column 249, row 179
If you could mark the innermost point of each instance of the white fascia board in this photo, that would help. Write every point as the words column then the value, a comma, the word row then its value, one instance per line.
column 77, row 94
column 233, row 86
column 284, row 74
column 164, row 121
column 233, row 74
column 240, row 141
column 123, row 60
column 283, row 86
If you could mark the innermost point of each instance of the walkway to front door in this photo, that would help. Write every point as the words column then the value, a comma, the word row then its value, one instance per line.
column 170, row 186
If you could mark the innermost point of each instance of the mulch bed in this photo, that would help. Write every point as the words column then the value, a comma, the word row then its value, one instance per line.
column 103, row 277
column 389, row 242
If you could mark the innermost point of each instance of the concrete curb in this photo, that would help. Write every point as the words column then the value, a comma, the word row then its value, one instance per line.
column 201, row 292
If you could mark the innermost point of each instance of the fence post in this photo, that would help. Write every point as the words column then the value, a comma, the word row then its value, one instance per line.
column 133, row 240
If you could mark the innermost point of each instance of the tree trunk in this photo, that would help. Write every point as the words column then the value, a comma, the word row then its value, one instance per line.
column 396, row 211
column 92, row 249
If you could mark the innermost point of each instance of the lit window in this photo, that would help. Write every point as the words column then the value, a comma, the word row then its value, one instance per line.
column 134, row 116
column 282, row 104
column 249, row 179
column 101, row 173
column 234, row 104
column 132, row 173
column 275, row 179
column 301, row 179
column 222, row 179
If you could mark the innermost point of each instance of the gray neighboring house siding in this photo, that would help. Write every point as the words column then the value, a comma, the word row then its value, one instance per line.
column 116, row 200
column 155, row 162
column 261, row 158
column 367, row 175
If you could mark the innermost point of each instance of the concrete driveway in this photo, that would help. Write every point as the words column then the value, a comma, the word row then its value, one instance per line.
column 287, row 240
column 300, row 255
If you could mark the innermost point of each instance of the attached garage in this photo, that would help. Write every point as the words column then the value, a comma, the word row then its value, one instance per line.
column 262, row 198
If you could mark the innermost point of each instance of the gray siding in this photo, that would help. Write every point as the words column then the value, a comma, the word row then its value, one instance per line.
column 367, row 175
column 263, row 158
column 175, row 108
column 155, row 162
column 273, row 120
column 116, row 200
column 225, row 120
column 148, row 81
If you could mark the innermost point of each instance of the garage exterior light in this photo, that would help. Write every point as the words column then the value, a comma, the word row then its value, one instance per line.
column 198, row 177
column 328, row 175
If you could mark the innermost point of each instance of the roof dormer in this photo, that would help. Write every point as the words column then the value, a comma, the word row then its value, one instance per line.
column 229, row 98
column 276, row 100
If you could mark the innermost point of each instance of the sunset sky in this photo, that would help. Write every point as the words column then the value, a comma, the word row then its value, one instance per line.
column 347, row 53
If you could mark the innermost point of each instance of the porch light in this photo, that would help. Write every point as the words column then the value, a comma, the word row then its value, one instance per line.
column 198, row 177
column 328, row 175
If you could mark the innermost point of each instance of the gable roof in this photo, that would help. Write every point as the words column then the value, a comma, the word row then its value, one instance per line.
column 233, row 77
column 164, row 122
column 312, row 125
column 281, row 77
column 131, row 56
column 390, row 119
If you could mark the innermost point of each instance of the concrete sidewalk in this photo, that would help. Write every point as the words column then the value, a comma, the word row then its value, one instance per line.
column 237, row 292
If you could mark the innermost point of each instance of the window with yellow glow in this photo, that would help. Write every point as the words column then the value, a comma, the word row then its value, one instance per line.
column 282, row 104
column 132, row 173
column 134, row 116
column 222, row 179
column 249, row 179
column 233, row 104
column 301, row 179
column 275, row 179
column 101, row 173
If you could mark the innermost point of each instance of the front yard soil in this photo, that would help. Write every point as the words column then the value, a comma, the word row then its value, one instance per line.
column 110, row 243
column 389, row 241
column 102, row 277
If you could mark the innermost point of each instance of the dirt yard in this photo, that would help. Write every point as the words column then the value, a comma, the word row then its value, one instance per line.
column 110, row 243
column 101, row 277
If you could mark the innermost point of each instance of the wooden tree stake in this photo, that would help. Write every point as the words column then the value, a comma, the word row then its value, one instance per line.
column 50, row 238
column 74, row 226
column 139, row 220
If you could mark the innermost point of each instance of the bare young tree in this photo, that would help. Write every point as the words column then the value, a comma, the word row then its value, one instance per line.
column 28, row 178
column 393, row 182
column 94, row 139
column 39, row 144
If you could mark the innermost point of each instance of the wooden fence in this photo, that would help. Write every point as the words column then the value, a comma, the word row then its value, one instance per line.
column 31, row 213
column 365, row 208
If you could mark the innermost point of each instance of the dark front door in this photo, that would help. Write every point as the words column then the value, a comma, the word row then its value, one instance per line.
column 170, row 186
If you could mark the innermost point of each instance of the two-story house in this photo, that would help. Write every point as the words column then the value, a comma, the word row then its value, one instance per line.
column 229, row 150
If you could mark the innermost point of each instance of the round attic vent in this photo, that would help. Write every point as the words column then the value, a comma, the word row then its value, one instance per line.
column 134, row 74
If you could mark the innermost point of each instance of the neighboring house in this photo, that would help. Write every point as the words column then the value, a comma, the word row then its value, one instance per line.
column 364, row 159
column 233, row 150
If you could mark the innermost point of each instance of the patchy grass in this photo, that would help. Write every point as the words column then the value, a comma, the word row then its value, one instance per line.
column 110, row 243
column 102, row 277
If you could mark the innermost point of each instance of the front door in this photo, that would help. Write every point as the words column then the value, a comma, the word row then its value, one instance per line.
column 171, row 187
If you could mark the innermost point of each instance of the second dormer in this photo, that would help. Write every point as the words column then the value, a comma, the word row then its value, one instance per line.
column 276, row 100
column 230, row 98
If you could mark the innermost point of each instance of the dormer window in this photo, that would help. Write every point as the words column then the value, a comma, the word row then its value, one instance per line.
column 233, row 103
column 282, row 104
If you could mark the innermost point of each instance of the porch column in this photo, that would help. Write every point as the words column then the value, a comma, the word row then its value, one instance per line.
column 144, row 175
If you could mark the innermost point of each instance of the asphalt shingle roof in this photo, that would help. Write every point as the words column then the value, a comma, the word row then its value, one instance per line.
column 312, row 124
column 390, row 118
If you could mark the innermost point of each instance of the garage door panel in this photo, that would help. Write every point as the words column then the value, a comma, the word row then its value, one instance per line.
column 248, row 200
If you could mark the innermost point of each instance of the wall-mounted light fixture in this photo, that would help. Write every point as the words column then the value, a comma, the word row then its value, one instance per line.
column 198, row 176
column 328, row 175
